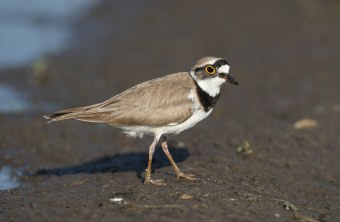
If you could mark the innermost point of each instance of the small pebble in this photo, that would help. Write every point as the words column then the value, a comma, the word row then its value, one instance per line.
column 185, row 197
column 306, row 124
column 116, row 199
column 289, row 206
column 245, row 148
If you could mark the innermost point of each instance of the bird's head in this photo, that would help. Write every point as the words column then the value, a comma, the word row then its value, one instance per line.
column 211, row 73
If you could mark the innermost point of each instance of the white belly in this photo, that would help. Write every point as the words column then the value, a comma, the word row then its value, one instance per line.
column 197, row 116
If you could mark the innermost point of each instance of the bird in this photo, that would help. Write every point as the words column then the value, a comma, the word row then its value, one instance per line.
column 159, row 107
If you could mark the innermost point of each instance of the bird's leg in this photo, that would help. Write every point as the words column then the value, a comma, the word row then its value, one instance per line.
column 148, row 179
column 178, row 172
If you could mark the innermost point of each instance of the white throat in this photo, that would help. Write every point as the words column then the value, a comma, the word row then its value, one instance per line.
column 211, row 86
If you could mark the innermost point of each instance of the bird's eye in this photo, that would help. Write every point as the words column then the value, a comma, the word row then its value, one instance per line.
column 210, row 70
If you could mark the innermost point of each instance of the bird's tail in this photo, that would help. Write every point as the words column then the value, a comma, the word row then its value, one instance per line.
column 64, row 114
column 86, row 113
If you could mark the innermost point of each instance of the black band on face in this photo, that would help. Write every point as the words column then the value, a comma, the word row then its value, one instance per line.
column 216, row 64
column 220, row 63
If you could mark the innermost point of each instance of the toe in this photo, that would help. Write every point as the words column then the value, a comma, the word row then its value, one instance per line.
column 187, row 176
column 158, row 182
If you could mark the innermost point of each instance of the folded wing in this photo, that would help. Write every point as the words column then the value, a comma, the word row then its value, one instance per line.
column 156, row 102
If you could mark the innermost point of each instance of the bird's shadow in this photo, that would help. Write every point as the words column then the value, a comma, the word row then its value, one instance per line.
column 126, row 162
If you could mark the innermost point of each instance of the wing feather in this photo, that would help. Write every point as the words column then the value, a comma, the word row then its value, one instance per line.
column 161, row 101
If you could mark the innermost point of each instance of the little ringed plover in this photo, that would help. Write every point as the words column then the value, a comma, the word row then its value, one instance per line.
column 158, row 107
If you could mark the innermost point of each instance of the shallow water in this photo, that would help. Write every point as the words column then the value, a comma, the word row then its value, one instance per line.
column 12, row 101
column 8, row 178
column 27, row 33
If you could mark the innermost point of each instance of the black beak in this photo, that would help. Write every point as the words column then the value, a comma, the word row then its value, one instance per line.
column 231, row 80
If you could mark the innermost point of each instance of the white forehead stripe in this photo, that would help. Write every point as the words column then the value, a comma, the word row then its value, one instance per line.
column 224, row 69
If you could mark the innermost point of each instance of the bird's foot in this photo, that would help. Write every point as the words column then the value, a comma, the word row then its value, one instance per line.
column 158, row 182
column 187, row 176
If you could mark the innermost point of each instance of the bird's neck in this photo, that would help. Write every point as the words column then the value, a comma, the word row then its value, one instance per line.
column 206, row 100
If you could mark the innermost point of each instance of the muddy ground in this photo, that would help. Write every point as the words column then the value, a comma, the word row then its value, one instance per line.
column 285, row 54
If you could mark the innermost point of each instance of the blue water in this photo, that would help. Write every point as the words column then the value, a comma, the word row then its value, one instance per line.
column 30, row 29
column 8, row 178
column 12, row 101
column 15, row 101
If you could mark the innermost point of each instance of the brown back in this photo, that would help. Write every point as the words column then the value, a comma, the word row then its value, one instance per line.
column 156, row 102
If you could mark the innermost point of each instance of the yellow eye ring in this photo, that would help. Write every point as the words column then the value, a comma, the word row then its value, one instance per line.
column 210, row 70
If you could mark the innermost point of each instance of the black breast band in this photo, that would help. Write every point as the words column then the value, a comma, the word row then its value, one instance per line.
column 206, row 100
